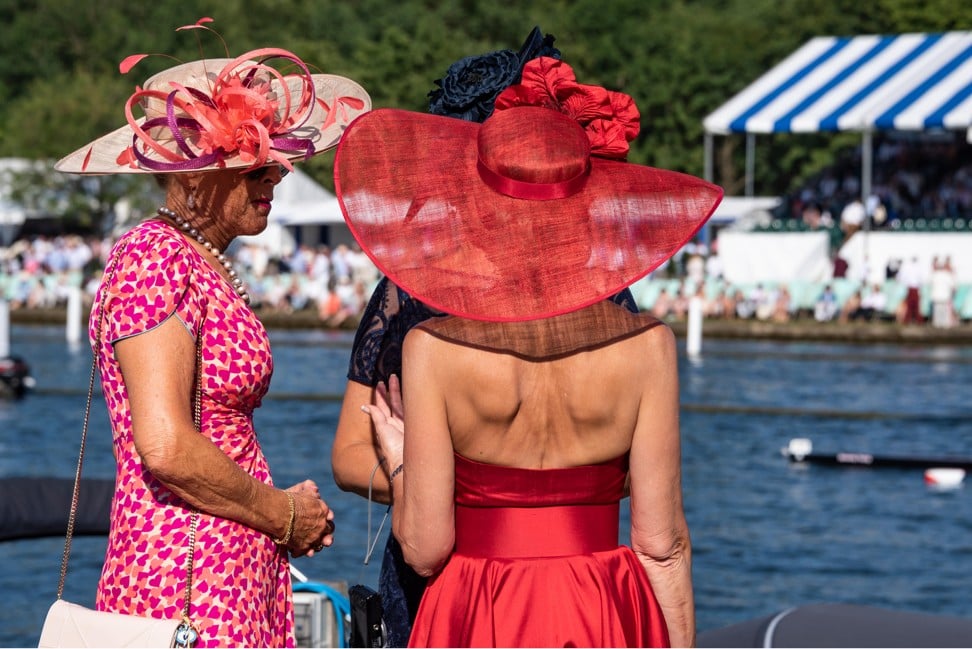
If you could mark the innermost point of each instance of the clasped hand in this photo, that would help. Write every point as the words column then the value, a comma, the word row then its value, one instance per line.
column 313, row 520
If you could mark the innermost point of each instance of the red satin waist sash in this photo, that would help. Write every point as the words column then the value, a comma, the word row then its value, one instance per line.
column 520, row 532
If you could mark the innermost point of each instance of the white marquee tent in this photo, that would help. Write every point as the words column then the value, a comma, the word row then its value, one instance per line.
column 904, row 82
column 302, row 205
column 300, row 200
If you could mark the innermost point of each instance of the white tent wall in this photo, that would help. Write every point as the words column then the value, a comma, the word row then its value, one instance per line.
column 300, row 199
column 735, row 208
column 877, row 248
column 749, row 257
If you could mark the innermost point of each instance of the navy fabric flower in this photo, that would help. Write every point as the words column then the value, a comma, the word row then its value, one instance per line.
column 537, row 45
column 471, row 85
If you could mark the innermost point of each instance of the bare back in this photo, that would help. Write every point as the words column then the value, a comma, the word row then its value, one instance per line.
column 574, row 390
column 536, row 399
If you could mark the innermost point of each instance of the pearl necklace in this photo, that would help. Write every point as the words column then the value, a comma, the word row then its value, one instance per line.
column 220, row 257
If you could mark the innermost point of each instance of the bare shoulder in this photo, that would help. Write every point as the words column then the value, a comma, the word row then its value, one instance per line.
column 658, row 333
column 653, row 332
column 655, row 348
column 423, row 344
column 421, row 337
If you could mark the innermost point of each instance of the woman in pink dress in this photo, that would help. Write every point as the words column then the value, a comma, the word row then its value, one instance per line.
column 536, row 404
column 172, row 323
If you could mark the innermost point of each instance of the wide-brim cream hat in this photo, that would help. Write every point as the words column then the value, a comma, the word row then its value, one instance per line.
column 224, row 114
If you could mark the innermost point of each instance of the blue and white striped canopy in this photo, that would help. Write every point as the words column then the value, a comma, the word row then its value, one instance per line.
column 904, row 82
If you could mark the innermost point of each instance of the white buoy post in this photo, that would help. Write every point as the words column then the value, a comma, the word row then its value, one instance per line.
column 693, row 344
column 73, row 330
column 4, row 329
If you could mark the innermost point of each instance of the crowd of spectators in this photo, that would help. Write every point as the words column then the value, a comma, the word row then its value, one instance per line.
column 928, row 177
column 914, row 177
column 41, row 272
column 909, row 294
column 335, row 283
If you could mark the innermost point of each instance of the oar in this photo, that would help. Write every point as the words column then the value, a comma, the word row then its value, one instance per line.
column 801, row 450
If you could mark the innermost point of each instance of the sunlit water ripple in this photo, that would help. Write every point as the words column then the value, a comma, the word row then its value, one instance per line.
column 766, row 534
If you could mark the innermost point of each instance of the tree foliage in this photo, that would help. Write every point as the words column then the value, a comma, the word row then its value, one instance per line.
column 679, row 59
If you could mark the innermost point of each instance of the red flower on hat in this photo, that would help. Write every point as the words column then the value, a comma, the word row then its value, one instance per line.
column 610, row 119
column 238, row 113
column 241, row 119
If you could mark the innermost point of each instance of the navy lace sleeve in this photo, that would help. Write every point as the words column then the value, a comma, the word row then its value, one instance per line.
column 376, row 352
column 626, row 299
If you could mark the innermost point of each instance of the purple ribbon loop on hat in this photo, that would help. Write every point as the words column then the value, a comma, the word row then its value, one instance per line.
column 294, row 144
column 194, row 162
column 174, row 123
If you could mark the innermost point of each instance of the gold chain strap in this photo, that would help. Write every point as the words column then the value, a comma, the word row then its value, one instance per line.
column 84, row 432
column 187, row 635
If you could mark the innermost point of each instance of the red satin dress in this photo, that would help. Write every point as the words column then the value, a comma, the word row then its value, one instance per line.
column 537, row 564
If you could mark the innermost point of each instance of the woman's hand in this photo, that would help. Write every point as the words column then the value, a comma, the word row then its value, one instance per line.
column 392, row 394
column 306, row 487
column 387, row 416
column 313, row 520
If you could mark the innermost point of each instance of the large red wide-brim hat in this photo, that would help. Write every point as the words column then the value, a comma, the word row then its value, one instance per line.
column 511, row 219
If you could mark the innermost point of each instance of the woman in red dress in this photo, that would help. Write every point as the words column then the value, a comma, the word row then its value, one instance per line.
column 540, row 404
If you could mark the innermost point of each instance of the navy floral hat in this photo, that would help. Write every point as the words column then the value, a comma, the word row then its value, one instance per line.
column 470, row 87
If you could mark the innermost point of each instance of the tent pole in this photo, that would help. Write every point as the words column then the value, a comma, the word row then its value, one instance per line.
column 750, row 162
column 867, row 171
column 867, row 166
column 707, row 173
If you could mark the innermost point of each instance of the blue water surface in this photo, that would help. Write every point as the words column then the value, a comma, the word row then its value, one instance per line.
column 767, row 534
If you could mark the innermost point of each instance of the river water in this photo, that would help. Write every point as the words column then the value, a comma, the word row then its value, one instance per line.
column 767, row 534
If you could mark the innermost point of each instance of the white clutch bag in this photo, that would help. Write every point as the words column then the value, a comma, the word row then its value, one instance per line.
column 71, row 625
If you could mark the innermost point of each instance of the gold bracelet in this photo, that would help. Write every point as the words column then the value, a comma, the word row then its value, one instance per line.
column 290, row 526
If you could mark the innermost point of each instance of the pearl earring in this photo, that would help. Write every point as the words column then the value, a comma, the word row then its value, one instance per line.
column 191, row 201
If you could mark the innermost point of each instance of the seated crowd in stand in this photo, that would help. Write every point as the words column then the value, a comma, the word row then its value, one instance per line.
column 919, row 182
column 907, row 295
column 915, row 180
column 334, row 283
